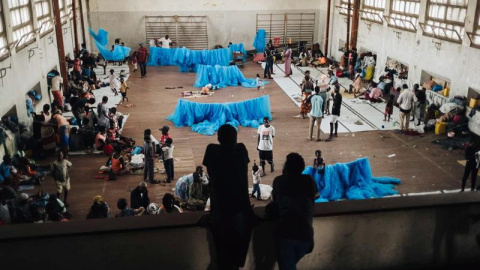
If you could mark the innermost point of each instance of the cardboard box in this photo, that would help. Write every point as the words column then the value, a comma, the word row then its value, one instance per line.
column 474, row 102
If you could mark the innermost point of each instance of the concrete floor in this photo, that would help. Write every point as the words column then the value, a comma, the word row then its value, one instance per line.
column 421, row 165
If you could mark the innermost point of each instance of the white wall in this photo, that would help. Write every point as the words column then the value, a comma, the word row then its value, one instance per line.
column 227, row 21
column 456, row 62
column 25, row 73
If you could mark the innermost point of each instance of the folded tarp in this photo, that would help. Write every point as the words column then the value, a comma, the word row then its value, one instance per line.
column 238, row 48
column 101, row 40
column 259, row 42
column 188, row 59
column 223, row 76
column 206, row 118
column 353, row 181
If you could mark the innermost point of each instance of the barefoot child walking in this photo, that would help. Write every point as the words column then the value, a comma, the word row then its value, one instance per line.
column 389, row 108
column 123, row 90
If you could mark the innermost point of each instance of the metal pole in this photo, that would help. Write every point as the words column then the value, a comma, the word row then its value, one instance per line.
column 61, row 50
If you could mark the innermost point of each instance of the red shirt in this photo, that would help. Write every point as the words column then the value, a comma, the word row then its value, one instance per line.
column 164, row 138
column 142, row 55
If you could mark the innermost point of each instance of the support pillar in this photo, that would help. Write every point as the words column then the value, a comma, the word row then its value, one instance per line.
column 75, row 31
column 327, row 30
column 80, row 4
column 355, row 19
column 349, row 7
column 60, row 46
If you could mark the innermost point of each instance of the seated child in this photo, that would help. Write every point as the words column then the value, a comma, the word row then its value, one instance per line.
column 318, row 162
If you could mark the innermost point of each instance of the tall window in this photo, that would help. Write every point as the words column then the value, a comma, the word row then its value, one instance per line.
column 22, row 25
column 343, row 8
column 476, row 31
column 446, row 19
column 69, row 9
column 404, row 14
column 373, row 10
column 44, row 15
column 61, row 7
column 3, row 35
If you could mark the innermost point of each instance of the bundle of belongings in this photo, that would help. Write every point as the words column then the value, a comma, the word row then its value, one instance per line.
column 452, row 121
column 474, row 122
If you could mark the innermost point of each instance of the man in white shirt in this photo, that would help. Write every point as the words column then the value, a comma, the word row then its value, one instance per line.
column 266, row 132
column 165, row 42
column 405, row 101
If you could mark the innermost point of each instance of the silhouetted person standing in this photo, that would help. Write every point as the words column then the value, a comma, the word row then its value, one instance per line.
column 295, row 194
column 232, row 215
column 471, row 168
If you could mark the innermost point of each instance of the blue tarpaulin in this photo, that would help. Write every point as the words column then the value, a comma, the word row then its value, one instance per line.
column 101, row 37
column 206, row 118
column 223, row 76
column 353, row 181
column 259, row 42
column 239, row 48
column 101, row 40
column 188, row 59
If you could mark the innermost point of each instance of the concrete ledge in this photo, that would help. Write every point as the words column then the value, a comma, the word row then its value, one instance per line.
column 190, row 219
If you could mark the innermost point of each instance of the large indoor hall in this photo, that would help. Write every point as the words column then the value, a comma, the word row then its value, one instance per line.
column 316, row 134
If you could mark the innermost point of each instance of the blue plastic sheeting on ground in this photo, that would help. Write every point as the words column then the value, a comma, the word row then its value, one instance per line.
column 206, row 118
column 239, row 48
column 223, row 76
column 188, row 59
column 259, row 42
column 353, row 181
column 101, row 40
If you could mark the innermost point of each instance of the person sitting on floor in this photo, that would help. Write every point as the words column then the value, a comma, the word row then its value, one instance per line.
column 24, row 211
column 139, row 196
column 88, row 134
column 100, row 139
column 373, row 94
column 76, row 142
column 196, row 200
column 117, row 117
column 357, row 86
column 8, row 173
column 99, row 209
column 153, row 209
column 119, row 166
column 125, row 211
column 168, row 205
column 114, row 136
column 56, row 210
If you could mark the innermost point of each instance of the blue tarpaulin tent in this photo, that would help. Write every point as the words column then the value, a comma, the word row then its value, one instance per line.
column 353, row 181
column 101, row 40
column 223, row 76
column 188, row 59
column 206, row 118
